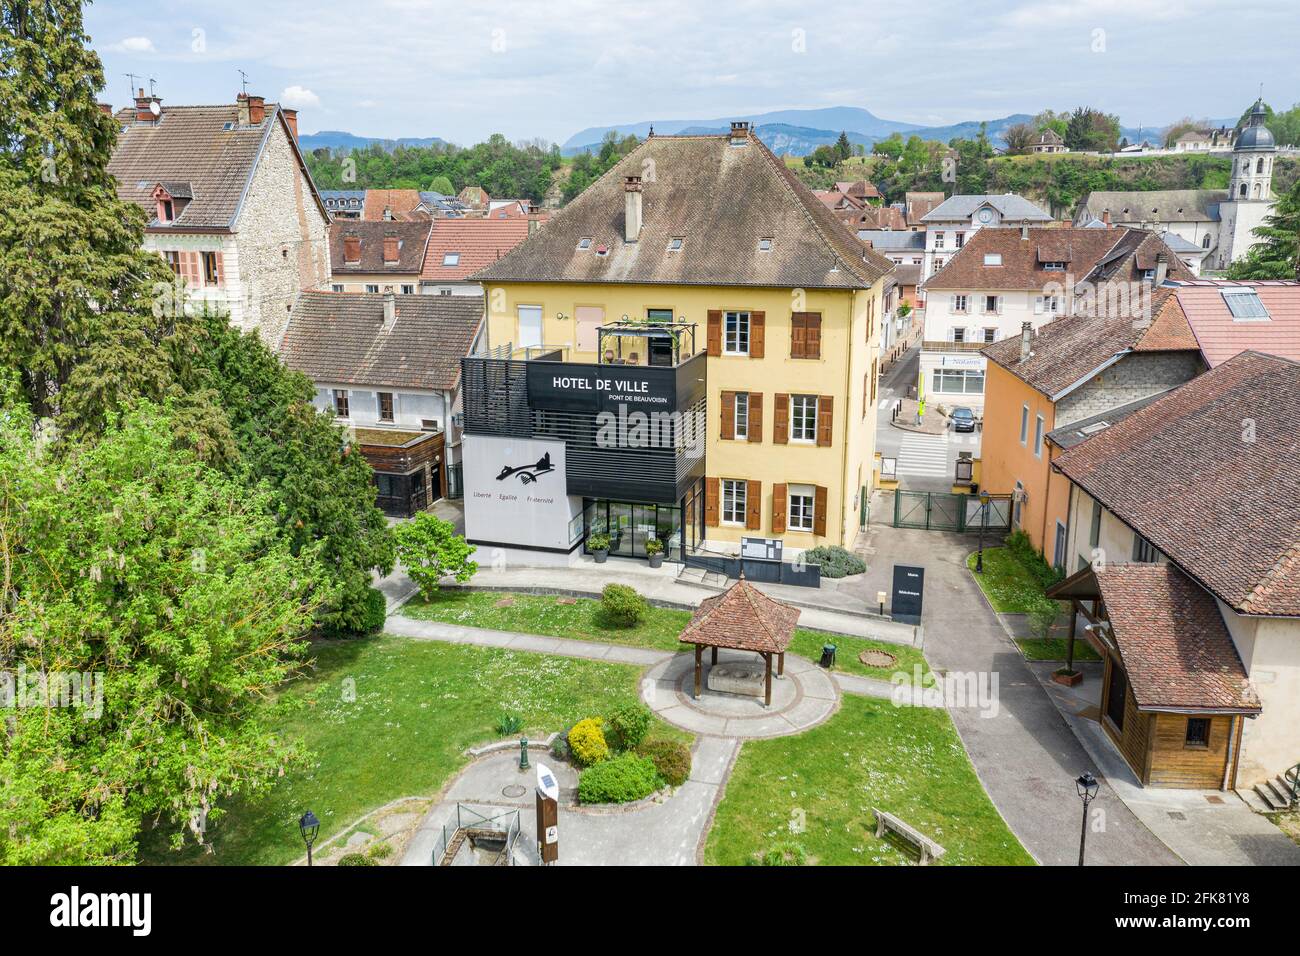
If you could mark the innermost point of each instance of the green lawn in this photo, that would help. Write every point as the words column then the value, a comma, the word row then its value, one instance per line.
column 824, row 783
column 1053, row 649
column 583, row 621
column 416, row 706
column 1008, row 585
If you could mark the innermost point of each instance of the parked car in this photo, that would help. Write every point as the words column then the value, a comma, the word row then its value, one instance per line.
column 963, row 420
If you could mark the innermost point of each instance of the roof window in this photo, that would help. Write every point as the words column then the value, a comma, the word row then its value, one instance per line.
column 451, row 258
column 765, row 245
column 584, row 242
column 993, row 258
column 1245, row 305
column 675, row 244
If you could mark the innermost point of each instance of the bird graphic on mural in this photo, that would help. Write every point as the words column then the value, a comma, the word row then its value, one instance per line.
column 528, row 473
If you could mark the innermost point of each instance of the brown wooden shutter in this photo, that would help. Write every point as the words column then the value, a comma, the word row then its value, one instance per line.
column 755, row 416
column 711, row 502
column 819, row 511
column 875, row 377
column 781, row 420
column 798, row 334
column 812, row 347
column 220, row 268
column 779, row 498
column 728, row 415
column 714, row 337
column 757, row 334
column 824, row 403
column 753, row 505
column 191, row 269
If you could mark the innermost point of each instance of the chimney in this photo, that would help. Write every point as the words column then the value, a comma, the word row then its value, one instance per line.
column 351, row 248
column 388, row 214
column 631, row 208
column 1105, row 217
column 390, row 308
column 145, row 106
column 1026, row 336
column 106, row 108
column 1162, row 267
column 533, row 224
column 291, row 121
column 256, row 110
column 739, row 132
column 1024, row 228
column 391, row 253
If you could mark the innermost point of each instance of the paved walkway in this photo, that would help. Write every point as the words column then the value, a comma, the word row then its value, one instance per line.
column 1025, row 754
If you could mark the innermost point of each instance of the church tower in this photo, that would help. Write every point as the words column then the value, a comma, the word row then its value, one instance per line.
column 1250, row 193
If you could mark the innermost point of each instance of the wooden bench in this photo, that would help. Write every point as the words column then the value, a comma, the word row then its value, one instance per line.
column 887, row 821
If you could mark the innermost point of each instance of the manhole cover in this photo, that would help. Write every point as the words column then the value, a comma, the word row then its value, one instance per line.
column 514, row 791
column 878, row 658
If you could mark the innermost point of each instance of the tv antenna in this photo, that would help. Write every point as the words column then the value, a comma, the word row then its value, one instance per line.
column 131, row 78
column 243, row 81
column 152, row 81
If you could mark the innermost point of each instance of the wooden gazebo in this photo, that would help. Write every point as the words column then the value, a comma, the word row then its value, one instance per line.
column 742, row 619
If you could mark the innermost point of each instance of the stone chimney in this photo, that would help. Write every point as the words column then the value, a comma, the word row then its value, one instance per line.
column 631, row 208
column 1026, row 339
column 291, row 121
column 1024, row 228
column 533, row 224
column 241, row 104
column 351, row 248
column 1162, row 267
column 739, row 132
column 390, row 308
column 391, row 249
column 145, row 106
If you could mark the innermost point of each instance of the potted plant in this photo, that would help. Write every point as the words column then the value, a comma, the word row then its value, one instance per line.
column 598, row 545
column 1066, row 676
column 654, row 549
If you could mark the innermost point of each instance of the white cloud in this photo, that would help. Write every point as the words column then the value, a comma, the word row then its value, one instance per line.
column 299, row 98
column 135, row 45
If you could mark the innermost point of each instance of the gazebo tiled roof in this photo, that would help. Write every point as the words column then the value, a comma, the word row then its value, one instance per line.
column 742, row 618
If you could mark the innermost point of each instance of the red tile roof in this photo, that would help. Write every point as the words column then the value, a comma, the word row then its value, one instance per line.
column 412, row 237
column 400, row 201
column 1220, row 336
column 1207, row 474
column 743, row 618
column 1172, row 640
column 479, row 242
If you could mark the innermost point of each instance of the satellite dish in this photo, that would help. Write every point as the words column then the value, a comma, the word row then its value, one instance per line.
column 154, row 108
column 547, row 783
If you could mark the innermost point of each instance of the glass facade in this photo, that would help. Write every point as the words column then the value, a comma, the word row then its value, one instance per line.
column 630, row 525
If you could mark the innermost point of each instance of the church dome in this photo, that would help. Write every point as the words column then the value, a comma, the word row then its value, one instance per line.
column 1256, row 135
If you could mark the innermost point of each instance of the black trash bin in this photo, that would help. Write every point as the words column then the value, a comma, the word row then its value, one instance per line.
column 828, row 655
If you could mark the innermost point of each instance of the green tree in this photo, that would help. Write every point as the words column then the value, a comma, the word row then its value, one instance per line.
column 88, row 318
column 430, row 550
column 843, row 148
column 321, row 492
column 1090, row 130
column 169, row 587
column 1277, row 256
column 441, row 184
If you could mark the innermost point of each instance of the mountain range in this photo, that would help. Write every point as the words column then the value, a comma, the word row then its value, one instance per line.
column 337, row 139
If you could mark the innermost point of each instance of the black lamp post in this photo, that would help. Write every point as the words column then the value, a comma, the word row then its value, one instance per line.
column 984, row 523
column 1087, row 787
column 308, row 826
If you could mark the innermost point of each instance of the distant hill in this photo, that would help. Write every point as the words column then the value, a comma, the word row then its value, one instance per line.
column 337, row 139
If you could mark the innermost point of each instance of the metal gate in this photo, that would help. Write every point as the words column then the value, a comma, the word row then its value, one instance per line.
column 940, row 511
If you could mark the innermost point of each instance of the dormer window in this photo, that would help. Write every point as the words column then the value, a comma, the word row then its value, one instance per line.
column 166, row 211
column 675, row 244
column 1054, row 266
column 584, row 243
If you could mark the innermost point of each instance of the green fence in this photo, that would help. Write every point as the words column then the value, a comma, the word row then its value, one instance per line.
column 940, row 511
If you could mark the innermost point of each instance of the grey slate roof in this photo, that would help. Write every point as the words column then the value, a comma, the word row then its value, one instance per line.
column 894, row 240
column 339, row 337
column 1160, row 205
column 720, row 200
column 1013, row 208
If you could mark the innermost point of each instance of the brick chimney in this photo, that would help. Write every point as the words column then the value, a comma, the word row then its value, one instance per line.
column 256, row 110
column 631, row 208
column 106, row 108
column 390, row 308
column 391, row 250
column 1105, row 217
column 351, row 248
column 1026, row 338
column 291, row 121
column 144, row 107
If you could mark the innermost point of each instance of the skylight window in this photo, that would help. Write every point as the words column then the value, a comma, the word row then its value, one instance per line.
column 1245, row 304
column 584, row 242
column 675, row 244
column 765, row 245
column 993, row 258
column 451, row 258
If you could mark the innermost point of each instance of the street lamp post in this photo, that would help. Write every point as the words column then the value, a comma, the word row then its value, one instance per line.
column 308, row 826
column 984, row 523
column 1087, row 787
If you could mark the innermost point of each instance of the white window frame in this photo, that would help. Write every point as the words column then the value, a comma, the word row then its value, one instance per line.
column 960, row 302
column 1039, row 431
column 740, row 418
column 519, row 321
column 801, row 517
column 342, row 395
column 997, row 305
column 379, row 407
column 372, row 288
column 799, row 420
column 1024, row 426
column 735, row 333
column 732, row 506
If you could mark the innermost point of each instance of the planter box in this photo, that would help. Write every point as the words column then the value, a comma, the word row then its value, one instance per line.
column 1069, row 680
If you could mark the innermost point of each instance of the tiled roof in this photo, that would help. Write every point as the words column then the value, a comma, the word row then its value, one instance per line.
column 412, row 237
column 858, row 187
column 907, row 274
column 475, row 242
column 1172, row 640
column 744, row 618
column 400, row 202
column 340, row 337
column 894, row 240
column 191, row 149
column 1221, row 336
column 720, row 200
column 1207, row 474
column 1012, row 208
column 1159, row 205
column 917, row 204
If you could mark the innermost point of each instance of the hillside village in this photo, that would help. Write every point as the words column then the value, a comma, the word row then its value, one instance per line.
column 738, row 508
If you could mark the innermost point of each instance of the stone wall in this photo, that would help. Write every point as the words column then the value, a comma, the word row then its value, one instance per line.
column 282, row 236
column 1131, row 378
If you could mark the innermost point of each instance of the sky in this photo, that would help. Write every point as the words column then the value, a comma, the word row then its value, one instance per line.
column 548, row 68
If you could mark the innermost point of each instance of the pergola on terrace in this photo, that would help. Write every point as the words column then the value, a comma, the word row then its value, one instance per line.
column 742, row 619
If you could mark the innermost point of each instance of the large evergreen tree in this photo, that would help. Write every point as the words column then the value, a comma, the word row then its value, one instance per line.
column 85, row 317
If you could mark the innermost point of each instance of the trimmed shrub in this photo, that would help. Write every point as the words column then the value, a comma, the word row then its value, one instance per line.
column 629, row 725
column 1043, row 615
column 356, row 859
column 785, row 853
column 671, row 759
column 560, row 748
column 620, row 779
column 836, row 562
column 368, row 618
column 622, row 605
column 587, row 741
